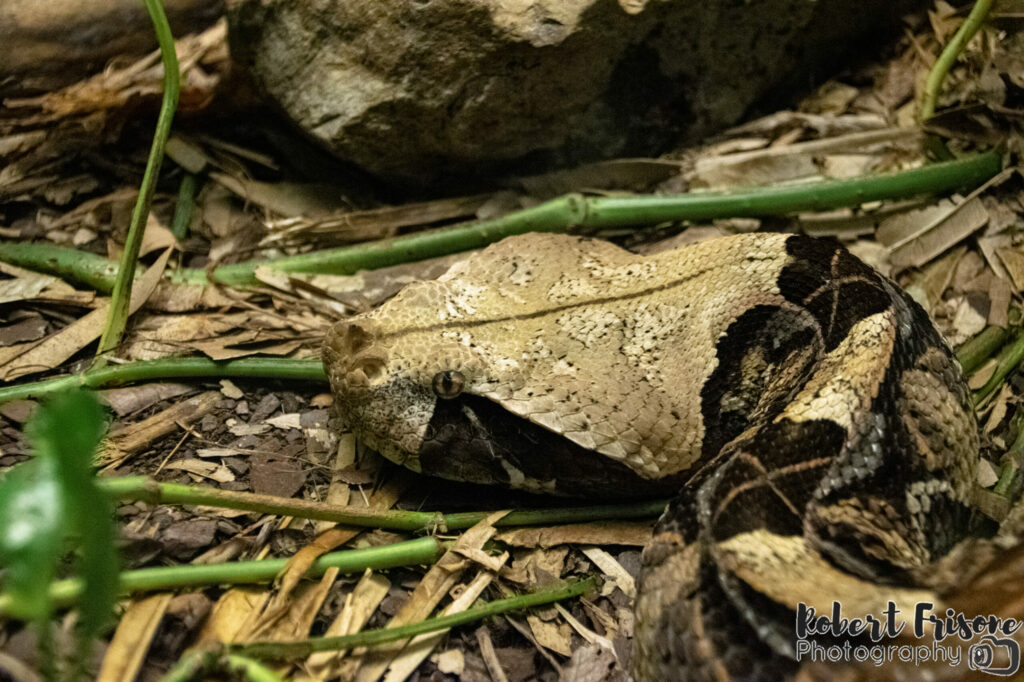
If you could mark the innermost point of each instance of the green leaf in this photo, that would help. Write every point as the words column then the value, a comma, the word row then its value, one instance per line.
column 65, row 434
column 31, row 531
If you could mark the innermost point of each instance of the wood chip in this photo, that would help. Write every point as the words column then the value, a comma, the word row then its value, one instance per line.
column 285, row 421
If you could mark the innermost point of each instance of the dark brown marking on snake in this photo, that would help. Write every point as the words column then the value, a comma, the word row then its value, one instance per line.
column 745, row 386
column 838, row 289
column 469, row 437
column 739, row 497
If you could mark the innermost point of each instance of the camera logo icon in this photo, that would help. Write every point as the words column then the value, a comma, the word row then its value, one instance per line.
column 983, row 656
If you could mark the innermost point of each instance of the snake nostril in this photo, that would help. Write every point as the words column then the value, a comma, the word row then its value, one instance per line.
column 374, row 369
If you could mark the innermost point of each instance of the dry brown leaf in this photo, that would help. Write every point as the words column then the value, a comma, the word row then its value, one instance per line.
column 487, row 653
column 613, row 569
column 230, row 390
column 377, row 223
column 203, row 469
column 417, row 650
column 932, row 237
column 131, row 399
column 490, row 562
column 555, row 636
column 299, row 564
column 285, row 620
column 1000, row 293
column 842, row 223
column 615, row 174
column 631, row 533
column 25, row 286
column 285, row 198
column 116, row 88
column 451, row 662
column 441, row 577
column 1013, row 260
column 967, row 321
column 527, row 634
column 61, row 345
column 360, row 604
column 981, row 375
column 583, row 631
column 172, row 297
column 186, row 154
column 988, row 245
column 229, row 615
column 797, row 161
column 123, row 657
column 590, row 663
column 290, row 420
column 538, row 567
column 901, row 227
column 236, row 428
column 928, row 286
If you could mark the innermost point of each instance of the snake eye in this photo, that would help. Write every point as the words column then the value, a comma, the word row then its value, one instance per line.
column 449, row 384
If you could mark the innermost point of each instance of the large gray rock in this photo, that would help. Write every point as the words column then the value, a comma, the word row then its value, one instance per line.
column 427, row 90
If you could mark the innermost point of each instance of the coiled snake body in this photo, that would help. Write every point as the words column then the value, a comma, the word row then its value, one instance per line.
column 814, row 423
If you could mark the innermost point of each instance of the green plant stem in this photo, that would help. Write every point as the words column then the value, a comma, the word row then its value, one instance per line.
column 1007, row 362
column 574, row 212
column 251, row 670
column 82, row 267
column 1010, row 463
column 191, row 665
column 410, row 553
column 185, row 206
column 170, row 368
column 949, row 55
column 303, row 649
column 980, row 348
column 121, row 295
column 144, row 489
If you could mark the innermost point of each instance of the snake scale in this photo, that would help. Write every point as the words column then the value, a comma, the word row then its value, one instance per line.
column 812, row 421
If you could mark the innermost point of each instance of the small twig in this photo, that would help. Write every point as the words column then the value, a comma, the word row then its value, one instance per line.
column 974, row 352
column 170, row 368
column 410, row 553
column 1007, row 362
column 143, row 489
column 303, row 649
